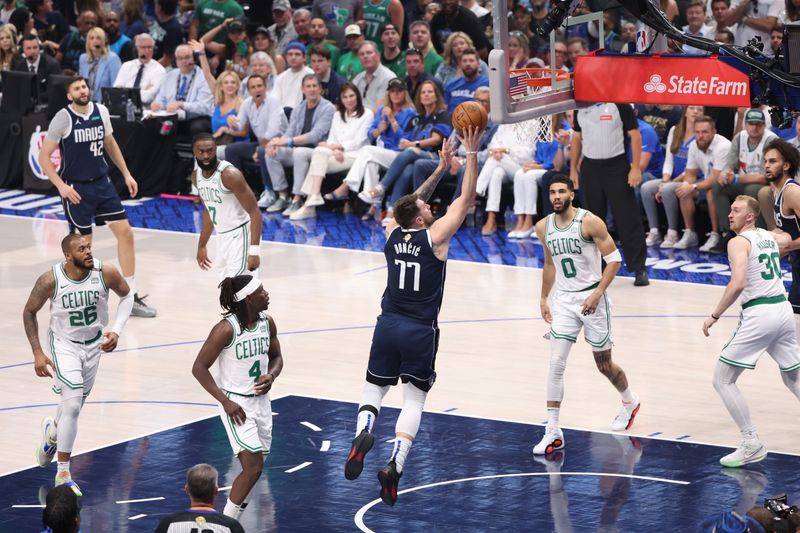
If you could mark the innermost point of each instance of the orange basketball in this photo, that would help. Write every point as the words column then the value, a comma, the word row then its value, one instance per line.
column 469, row 114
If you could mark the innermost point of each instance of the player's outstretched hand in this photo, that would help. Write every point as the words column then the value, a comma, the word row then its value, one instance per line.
column 202, row 258
column 110, row 343
column 710, row 321
column 40, row 364
column 133, row 187
column 235, row 412
column 70, row 194
column 471, row 138
column 446, row 153
column 264, row 384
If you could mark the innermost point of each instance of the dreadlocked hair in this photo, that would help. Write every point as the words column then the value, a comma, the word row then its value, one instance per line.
column 228, row 289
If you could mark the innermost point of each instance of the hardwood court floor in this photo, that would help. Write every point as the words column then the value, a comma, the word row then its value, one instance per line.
column 492, row 358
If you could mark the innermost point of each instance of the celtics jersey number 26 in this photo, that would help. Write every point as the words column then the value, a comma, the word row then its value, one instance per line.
column 577, row 260
column 79, row 309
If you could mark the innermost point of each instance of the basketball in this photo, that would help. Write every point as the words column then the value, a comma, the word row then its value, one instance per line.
column 470, row 114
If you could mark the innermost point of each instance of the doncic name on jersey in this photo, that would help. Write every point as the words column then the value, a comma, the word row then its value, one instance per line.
column 406, row 247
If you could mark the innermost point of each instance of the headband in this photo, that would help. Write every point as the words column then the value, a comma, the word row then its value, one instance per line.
column 251, row 287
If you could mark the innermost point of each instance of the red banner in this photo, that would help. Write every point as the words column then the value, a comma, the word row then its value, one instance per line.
column 660, row 80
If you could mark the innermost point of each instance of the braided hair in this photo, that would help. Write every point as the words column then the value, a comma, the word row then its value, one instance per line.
column 228, row 289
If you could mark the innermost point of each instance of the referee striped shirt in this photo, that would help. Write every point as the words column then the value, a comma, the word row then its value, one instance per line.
column 603, row 128
column 195, row 520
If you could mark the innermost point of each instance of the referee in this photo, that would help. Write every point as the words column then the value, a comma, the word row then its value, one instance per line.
column 608, row 178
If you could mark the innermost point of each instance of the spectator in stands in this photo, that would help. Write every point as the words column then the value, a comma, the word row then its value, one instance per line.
column 415, row 73
column 185, row 15
column 415, row 10
column 719, row 12
column 455, row 45
column 22, row 20
column 62, row 511
column 792, row 13
column 166, row 31
column 670, row 9
column 420, row 37
column 455, row 17
column 262, row 42
column 652, row 159
column 185, row 93
column 261, row 64
column 201, row 487
column 725, row 37
column 119, row 43
column 392, row 56
column 755, row 18
column 133, row 22
column 318, row 32
column 263, row 116
column 507, row 153
column 50, row 24
column 427, row 131
column 288, row 87
column 696, row 17
column 233, row 53
column 561, row 54
column 142, row 72
column 518, row 50
column 708, row 154
column 391, row 124
column 331, row 81
column 743, row 173
column 338, row 15
column 431, row 10
column 576, row 47
column 210, row 13
column 483, row 14
column 8, row 47
column 374, row 80
column 462, row 88
column 99, row 65
column 679, row 138
column 776, row 38
column 282, row 31
column 5, row 12
column 347, row 136
column 661, row 117
column 302, row 25
column 295, row 147
column 349, row 63
column 377, row 14
column 74, row 43
column 34, row 60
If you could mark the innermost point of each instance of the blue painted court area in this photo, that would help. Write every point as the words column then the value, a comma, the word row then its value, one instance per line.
column 463, row 474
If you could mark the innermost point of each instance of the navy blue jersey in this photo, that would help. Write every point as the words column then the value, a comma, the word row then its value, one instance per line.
column 791, row 225
column 415, row 281
column 82, row 149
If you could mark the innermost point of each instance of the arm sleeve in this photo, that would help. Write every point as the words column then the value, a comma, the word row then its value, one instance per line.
column 123, row 313
column 669, row 163
column 732, row 157
column 58, row 126
column 628, row 117
column 106, row 118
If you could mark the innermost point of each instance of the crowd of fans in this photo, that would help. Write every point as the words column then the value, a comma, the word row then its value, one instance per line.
column 363, row 89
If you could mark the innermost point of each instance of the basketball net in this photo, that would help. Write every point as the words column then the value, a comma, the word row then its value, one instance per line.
column 527, row 83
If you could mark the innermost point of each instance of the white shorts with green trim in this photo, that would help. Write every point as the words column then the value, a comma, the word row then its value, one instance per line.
column 76, row 363
column 763, row 328
column 255, row 435
column 565, row 307
column 232, row 248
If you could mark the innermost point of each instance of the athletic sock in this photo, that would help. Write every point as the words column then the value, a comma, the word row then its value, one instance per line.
column 627, row 395
column 749, row 435
column 62, row 466
column 233, row 510
column 552, row 417
column 366, row 419
column 402, row 446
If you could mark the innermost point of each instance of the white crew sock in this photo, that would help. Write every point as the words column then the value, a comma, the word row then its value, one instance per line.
column 552, row 417
column 627, row 395
column 402, row 446
column 62, row 466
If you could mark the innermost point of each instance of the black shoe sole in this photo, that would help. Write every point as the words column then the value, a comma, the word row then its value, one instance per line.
column 388, row 487
column 355, row 460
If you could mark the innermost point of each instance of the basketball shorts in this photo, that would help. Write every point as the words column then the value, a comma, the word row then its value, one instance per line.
column 565, row 307
column 764, row 328
column 76, row 363
column 99, row 203
column 255, row 435
column 404, row 349
column 232, row 248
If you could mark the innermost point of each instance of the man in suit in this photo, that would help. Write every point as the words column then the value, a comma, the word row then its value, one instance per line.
column 185, row 93
column 34, row 60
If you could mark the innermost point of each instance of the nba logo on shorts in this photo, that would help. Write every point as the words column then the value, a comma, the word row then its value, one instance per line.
column 37, row 138
column 641, row 41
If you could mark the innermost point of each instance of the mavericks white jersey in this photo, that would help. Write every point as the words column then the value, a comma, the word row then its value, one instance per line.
column 245, row 358
column 79, row 309
column 577, row 260
column 223, row 207
column 764, row 277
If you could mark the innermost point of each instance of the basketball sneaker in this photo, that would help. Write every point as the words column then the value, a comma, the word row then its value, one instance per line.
column 553, row 440
column 141, row 309
column 65, row 478
column 748, row 452
column 355, row 461
column 389, row 477
column 627, row 413
column 47, row 449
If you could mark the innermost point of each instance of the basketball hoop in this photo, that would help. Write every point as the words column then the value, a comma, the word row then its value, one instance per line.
column 527, row 83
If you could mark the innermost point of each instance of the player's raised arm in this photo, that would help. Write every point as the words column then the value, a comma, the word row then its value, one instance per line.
column 42, row 290
column 219, row 337
column 234, row 180
column 117, row 283
column 275, row 367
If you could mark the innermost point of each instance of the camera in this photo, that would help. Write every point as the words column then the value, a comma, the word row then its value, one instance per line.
column 782, row 513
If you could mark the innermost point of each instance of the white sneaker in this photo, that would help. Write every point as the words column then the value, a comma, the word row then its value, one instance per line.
column 713, row 241
column 747, row 452
column 514, row 234
column 671, row 239
column 626, row 414
column 553, row 440
column 304, row 213
column 688, row 240
column 266, row 199
column 314, row 200
column 65, row 478
column 653, row 237
column 47, row 448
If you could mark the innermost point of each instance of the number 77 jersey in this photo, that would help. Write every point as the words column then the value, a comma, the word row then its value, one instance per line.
column 415, row 280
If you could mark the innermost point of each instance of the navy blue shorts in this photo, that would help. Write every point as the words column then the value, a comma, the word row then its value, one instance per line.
column 405, row 349
column 99, row 203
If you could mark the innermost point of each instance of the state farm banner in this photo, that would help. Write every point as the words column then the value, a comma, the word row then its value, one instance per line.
column 657, row 79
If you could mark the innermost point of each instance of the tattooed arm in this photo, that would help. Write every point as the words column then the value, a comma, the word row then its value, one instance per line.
column 42, row 290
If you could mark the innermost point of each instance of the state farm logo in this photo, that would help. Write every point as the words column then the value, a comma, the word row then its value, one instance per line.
column 697, row 86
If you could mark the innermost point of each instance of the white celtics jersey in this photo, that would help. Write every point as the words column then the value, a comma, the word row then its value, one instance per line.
column 577, row 260
column 750, row 161
column 223, row 207
column 764, row 278
column 245, row 358
column 79, row 309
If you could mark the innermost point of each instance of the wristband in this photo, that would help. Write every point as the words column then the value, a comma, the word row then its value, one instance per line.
column 714, row 317
column 290, row 142
column 471, row 153
column 255, row 249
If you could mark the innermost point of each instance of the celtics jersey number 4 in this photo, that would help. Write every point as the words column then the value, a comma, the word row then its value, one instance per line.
column 577, row 260
column 79, row 308
column 245, row 358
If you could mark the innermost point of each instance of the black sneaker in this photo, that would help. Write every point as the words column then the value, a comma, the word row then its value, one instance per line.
column 355, row 461
column 389, row 476
column 641, row 279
